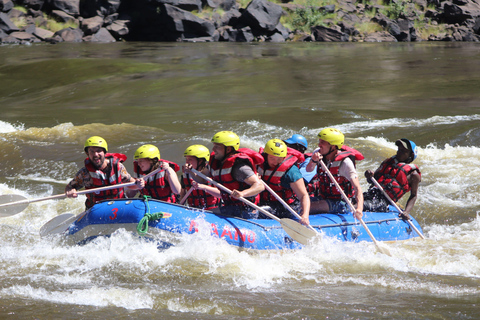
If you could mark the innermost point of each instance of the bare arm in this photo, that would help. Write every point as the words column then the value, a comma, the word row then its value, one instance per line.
column 173, row 179
column 256, row 186
column 316, row 156
column 209, row 189
column 300, row 191
column 414, row 181
column 359, row 195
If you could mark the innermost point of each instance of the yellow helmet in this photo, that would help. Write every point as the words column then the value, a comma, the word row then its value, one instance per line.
column 147, row 151
column 96, row 141
column 333, row 136
column 227, row 138
column 199, row 151
column 276, row 147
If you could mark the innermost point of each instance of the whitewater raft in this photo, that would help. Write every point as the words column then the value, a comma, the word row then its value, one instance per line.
column 168, row 220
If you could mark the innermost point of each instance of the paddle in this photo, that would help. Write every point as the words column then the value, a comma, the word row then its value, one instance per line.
column 285, row 204
column 56, row 224
column 383, row 250
column 60, row 223
column 375, row 182
column 186, row 195
column 6, row 198
column 22, row 203
column 294, row 229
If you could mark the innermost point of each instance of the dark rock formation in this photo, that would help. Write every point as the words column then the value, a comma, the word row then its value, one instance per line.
column 194, row 21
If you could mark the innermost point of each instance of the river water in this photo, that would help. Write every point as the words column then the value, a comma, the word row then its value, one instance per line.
column 52, row 97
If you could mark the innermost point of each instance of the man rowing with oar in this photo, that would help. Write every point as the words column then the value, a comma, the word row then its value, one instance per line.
column 339, row 161
column 397, row 176
column 101, row 169
column 234, row 168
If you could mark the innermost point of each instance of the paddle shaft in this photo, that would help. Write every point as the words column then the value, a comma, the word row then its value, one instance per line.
column 63, row 195
column 220, row 186
column 186, row 195
column 284, row 203
column 352, row 208
column 375, row 182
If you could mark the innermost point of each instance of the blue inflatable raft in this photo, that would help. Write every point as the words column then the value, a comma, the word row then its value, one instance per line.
column 259, row 234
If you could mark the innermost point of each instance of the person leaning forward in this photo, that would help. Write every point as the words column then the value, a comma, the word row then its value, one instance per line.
column 281, row 174
column 101, row 169
column 340, row 161
column 235, row 169
column 397, row 176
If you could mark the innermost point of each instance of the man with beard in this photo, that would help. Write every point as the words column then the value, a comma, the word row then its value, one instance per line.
column 235, row 168
column 101, row 169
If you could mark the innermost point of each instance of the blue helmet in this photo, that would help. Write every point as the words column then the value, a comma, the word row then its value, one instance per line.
column 409, row 145
column 297, row 139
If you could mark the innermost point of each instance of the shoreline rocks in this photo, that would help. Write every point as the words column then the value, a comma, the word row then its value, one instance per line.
column 185, row 20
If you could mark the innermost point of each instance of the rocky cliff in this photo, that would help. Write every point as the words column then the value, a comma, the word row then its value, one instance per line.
column 27, row 21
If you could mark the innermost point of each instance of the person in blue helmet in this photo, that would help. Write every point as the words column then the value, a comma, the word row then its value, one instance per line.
column 299, row 143
column 397, row 176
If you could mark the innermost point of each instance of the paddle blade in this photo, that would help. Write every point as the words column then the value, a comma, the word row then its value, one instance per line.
column 9, row 210
column 57, row 225
column 383, row 249
column 297, row 231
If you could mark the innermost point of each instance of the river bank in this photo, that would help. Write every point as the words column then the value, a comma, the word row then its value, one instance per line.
column 174, row 95
column 28, row 21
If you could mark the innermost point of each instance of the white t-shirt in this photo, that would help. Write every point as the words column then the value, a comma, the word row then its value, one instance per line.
column 347, row 169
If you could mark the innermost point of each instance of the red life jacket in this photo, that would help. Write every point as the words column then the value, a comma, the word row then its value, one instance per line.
column 393, row 177
column 157, row 186
column 297, row 154
column 222, row 173
column 324, row 186
column 102, row 179
column 273, row 176
column 199, row 198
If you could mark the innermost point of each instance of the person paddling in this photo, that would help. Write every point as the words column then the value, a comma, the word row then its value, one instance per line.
column 397, row 176
column 340, row 161
column 164, row 185
column 235, row 169
column 299, row 143
column 197, row 157
column 280, row 172
column 101, row 169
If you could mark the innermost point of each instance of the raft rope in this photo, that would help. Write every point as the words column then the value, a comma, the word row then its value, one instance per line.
column 142, row 227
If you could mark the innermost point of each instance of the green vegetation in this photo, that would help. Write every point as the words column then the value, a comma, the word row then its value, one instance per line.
column 55, row 26
column 302, row 15
column 368, row 27
column 47, row 23
column 20, row 22
column 208, row 12
column 424, row 31
column 395, row 10
column 306, row 14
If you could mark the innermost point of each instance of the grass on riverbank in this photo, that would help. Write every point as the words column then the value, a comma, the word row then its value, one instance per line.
column 302, row 15
column 45, row 22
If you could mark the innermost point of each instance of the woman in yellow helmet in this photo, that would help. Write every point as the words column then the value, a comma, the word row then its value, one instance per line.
column 197, row 157
column 164, row 185
column 281, row 174
column 340, row 161
column 101, row 169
